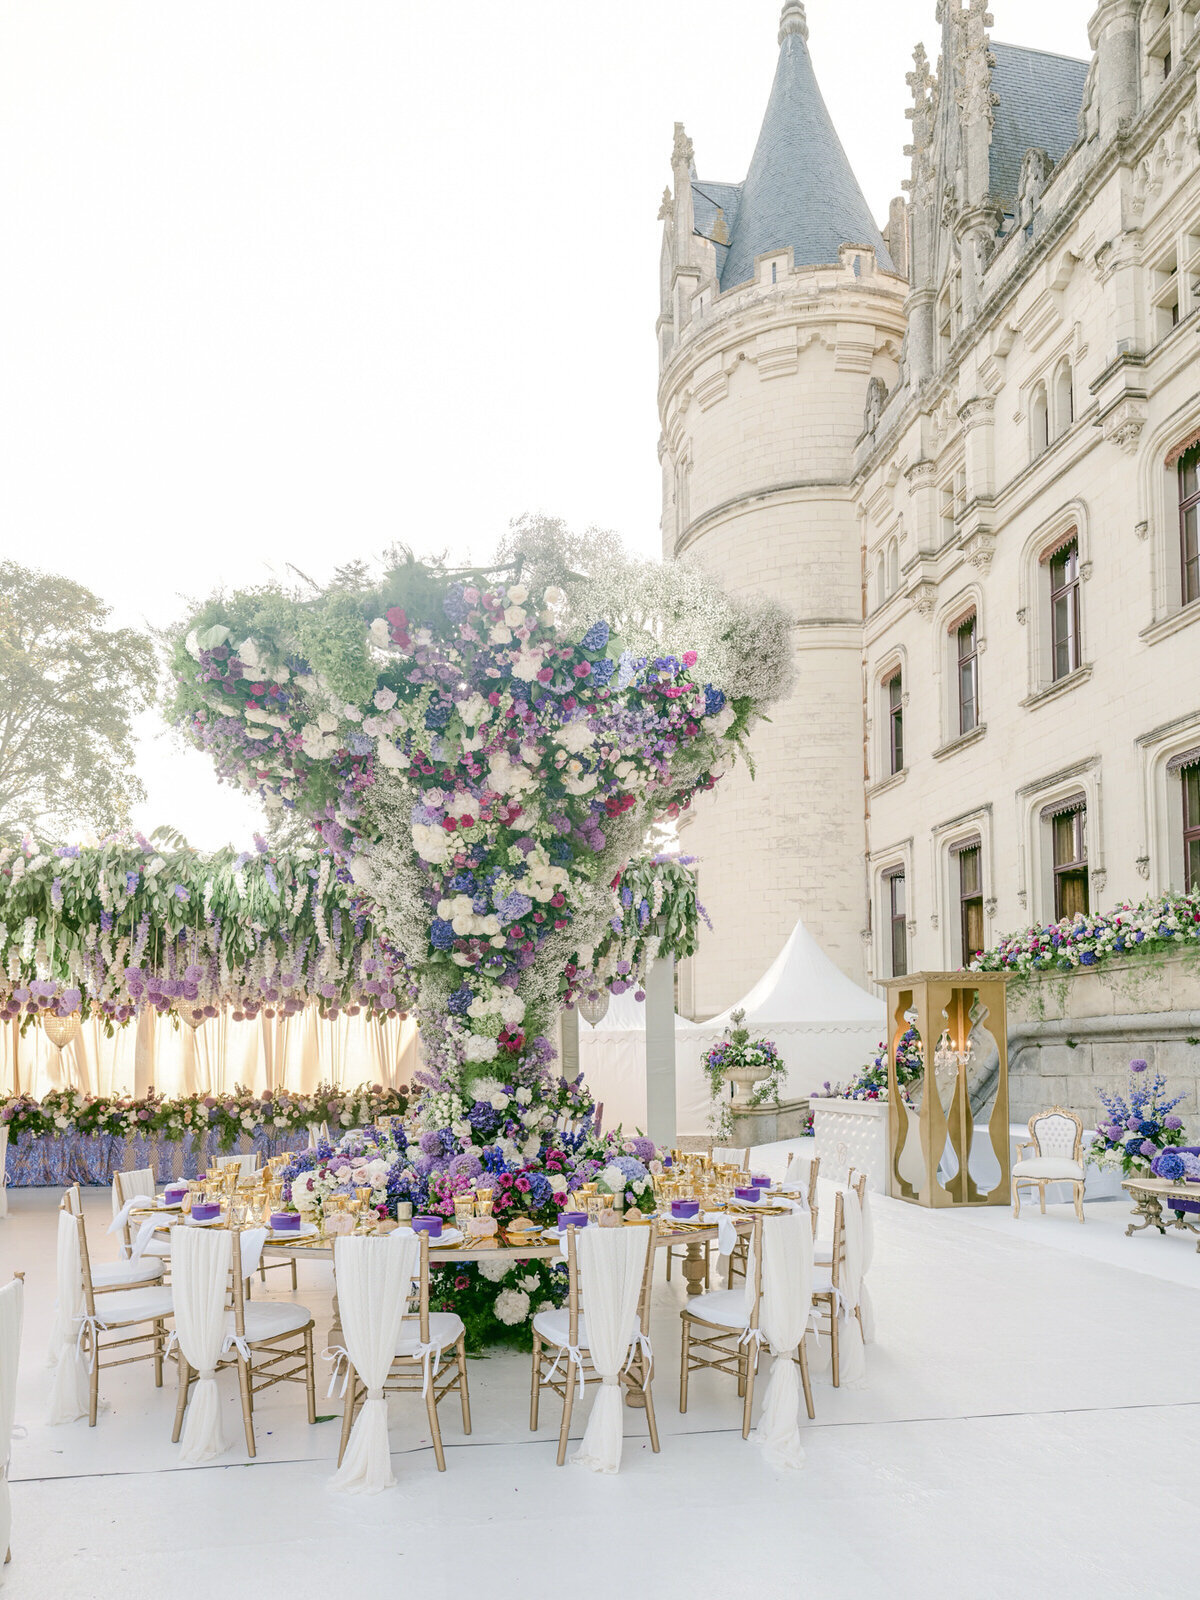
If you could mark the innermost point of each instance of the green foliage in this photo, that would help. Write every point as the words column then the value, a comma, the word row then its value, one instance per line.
column 70, row 687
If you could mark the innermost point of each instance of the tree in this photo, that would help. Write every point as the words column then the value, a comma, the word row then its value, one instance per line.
column 70, row 687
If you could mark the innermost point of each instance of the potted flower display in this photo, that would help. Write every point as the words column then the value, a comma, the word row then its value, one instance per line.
column 1137, row 1125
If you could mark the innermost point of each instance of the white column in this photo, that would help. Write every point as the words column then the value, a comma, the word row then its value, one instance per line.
column 660, row 1052
column 568, row 1043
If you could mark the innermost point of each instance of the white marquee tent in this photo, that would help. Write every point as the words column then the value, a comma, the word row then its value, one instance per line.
column 824, row 1025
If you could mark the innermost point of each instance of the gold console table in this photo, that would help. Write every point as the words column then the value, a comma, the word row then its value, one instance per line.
column 947, row 1004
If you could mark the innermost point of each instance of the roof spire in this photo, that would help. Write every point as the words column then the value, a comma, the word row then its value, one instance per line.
column 793, row 20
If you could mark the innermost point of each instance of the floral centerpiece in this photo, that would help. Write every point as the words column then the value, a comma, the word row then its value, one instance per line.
column 1138, row 1124
column 1176, row 1166
column 483, row 752
column 872, row 1082
column 749, row 1063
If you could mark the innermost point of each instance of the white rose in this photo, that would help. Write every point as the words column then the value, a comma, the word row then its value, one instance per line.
column 352, row 713
column 384, row 699
column 514, row 616
column 524, row 1096
column 518, row 594
column 380, row 633
column 327, row 722
column 391, row 755
column 554, row 596
column 500, row 635
column 558, row 1182
column 576, row 736
column 499, row 1102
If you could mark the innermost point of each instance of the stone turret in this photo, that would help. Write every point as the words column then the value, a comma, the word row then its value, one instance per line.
column 781, row 316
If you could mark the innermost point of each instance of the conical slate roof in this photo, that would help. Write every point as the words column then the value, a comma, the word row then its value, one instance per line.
column 800, row 189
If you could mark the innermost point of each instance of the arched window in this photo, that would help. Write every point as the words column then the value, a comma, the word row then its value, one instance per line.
column 893, row 566
column 880, row 581
column 1064, row 399
column 1039, row 420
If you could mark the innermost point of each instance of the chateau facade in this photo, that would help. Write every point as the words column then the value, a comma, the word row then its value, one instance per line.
column 965, row 450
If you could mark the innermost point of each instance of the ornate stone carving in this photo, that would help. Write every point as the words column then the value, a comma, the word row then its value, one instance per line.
column 1143, row 866
column 920, row 113
column 1142, row 530
column 1035, row 172
column 1124, row 423
column 793, row 20
column 666, row 211
column 682, row 152
column 1099, row 878
column 876, row 400
column 924, row 597
column 974, row 62
column 979, row 547
column 989, row 907
column 1022, row 898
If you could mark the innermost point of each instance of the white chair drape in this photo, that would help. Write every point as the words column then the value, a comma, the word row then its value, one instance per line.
column 865, row 1304
column 784, row 1312
column 612, row 1263
column 200, row 1261
column 12, row 1303
column 69, row 1385
column 3, row 1169
column 374, row 1278
column 852, row 1355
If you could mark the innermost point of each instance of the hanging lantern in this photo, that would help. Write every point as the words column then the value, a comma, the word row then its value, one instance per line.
column 593, row 1008
column 61, row 1031
column 193, row 1018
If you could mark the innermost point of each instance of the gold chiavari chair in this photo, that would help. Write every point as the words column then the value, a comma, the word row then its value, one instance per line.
column 139, row 1181
column 720, row 1334
column 118, row 1312
column 110, row 1275
column 417, row 1365
column 271, row 1341
column 556, row 1332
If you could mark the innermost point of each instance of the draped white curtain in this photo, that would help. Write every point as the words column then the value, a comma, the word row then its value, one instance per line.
column 373, row 1280
column 69, row 1385
column 200, row 1260
column 12, row 1301
column 865, row 1303
column 852, row 1356
column 787, row 1273
column 294, row 1053
column 612, row 1263
column 3, row 1173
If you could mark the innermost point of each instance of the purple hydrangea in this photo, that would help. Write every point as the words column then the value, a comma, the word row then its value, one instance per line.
column 596, row 638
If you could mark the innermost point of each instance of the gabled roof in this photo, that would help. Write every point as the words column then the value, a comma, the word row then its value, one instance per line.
column 800, row 189
column 1040, row 99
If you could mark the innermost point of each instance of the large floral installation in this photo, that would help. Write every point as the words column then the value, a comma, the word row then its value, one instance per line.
column 1138, row 1126
column 1158, row 926
column 133, row 923
column 484, row 752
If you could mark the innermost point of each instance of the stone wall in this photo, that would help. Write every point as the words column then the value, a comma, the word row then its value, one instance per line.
column 1070, row 1035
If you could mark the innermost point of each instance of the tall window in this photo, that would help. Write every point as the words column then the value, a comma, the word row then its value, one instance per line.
column 970, row 902
column 1064, row 608
column 1189, row 525
column 897, row 911
column 1190, row 783
column 1069, row 830
column 968, row 675
column 895, row 723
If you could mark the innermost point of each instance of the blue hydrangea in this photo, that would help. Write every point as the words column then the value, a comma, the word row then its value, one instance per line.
column 441, row 934
column 714, row 700
column 596, row 638
column 603, row 670
column 360, row 745
column 559, row 852
column 462, row 883
column 437, row 717
column 459, row 1001
column 540, row 1191
column 513, row 907
column 453, row 604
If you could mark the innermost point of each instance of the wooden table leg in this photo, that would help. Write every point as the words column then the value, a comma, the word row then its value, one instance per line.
column 695, row 1267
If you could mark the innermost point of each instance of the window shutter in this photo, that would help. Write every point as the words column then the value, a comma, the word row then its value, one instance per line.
column 1059, row 808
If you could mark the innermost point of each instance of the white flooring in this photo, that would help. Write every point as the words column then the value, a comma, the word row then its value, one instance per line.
column 1030, row 1426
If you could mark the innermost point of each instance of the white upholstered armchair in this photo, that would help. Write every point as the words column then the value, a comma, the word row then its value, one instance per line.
column 1056, row 1140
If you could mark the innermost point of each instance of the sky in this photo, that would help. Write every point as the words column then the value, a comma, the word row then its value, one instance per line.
column 284, row 282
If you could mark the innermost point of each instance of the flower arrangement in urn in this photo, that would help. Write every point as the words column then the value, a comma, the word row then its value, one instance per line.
column 752, row 1066
column 872, row 1081
column 1139, row 1125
